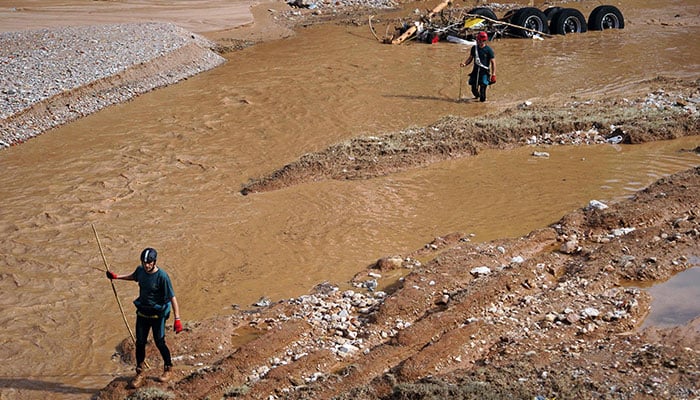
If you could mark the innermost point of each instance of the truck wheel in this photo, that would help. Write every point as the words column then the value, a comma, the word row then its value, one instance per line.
column 605, row 17
column 568, row 20
column 531, row 18
column 508, row 15
column 551, row 13
column 484, row 12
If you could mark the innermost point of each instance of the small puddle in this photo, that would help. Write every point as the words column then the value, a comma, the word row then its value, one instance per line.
column 675, row 302
column 244, row 335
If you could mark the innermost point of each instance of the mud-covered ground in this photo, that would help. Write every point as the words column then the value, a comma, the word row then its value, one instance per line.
column 649, row 115
column 552, row 314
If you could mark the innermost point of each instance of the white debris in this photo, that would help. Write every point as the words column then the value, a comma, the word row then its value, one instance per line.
column 480, row 271
column 596, row 205
column 615, row 139
column 590, row 312
column 622, row 231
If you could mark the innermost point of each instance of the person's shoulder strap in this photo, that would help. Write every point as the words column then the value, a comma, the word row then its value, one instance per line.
column 477, row 60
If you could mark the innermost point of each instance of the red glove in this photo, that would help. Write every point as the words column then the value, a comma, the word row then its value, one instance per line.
column 111, row 275
column 493, row 78
column 177, row 326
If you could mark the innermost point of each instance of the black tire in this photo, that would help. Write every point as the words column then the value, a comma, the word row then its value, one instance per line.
column 551, row 13
column 484, row 12
column 568, row 20
column 508, row 15
column 531, row 18
column 605, row 17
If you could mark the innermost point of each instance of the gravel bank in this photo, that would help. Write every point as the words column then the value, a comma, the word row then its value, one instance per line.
column 52, row 76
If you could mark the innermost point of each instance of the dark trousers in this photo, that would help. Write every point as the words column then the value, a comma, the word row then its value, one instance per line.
column 479, row 81
column 157, row 325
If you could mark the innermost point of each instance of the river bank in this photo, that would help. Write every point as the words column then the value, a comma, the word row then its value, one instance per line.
column 541, row 316
column 61, row 72
column 554, row 314
column 54, row 76
column 552, row 311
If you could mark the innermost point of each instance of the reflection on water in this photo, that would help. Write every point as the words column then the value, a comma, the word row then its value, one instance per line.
column 675, row 302
column 165, row 171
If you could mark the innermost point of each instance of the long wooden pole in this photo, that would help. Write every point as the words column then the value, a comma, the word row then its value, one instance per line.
column 114, row 289
column 460, row 84
column 439, row 8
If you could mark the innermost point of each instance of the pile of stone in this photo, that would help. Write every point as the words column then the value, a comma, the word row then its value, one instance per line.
column 658, row 100
column 52, row 76
column 338, row 319
column 338, row 4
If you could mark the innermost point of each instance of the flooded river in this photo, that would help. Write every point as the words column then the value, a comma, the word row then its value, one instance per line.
column 165, row 171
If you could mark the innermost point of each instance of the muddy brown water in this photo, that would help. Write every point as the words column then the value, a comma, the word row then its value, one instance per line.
column 165, row 170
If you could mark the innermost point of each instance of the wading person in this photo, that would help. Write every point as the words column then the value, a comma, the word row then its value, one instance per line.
column 153, row 306
column 484, row 71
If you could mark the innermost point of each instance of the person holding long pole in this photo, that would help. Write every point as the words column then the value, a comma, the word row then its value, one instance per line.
column 153, row 307
column 484, row 72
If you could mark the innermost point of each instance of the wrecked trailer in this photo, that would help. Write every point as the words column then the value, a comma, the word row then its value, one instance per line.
column 460, row 26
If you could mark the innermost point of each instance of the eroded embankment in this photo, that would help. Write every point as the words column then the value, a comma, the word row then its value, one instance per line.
column 655, row 116
column 54, row 76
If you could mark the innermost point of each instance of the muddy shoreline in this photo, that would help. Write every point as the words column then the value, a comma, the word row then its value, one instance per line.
column 541, row 315
column 58, row 74
column 668, row 114
column 544, row 315
column 55, row 76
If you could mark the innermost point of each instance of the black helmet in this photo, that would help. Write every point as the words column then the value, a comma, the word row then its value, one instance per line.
column 148, row 255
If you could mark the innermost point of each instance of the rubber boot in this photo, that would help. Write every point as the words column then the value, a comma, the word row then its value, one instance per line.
column 139, row 379
column 167, row 374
